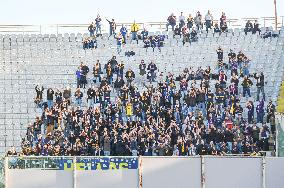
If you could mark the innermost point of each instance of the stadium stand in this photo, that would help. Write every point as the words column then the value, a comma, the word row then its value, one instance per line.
column 52, row 60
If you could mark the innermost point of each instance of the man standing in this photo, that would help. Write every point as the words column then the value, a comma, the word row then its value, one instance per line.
column 171, row 21
column 123, row 32
column 134, row 30
column 91, row 29
column 49, row 97
column 208, row 20
column 260, row 85
column 112, row 27
column 98, row 24
column 152, row 68
column 247, row 83
column 181, row 20
column 90, row 97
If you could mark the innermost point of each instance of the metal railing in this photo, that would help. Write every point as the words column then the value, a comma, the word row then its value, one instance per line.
column 152, row 26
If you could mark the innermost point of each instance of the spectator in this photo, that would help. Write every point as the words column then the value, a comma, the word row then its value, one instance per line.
column 144, row 34
column 49, row 97
column 198, row 21
column 112, row 27
column 248, row 27
column 181, row 20
column 256, row 28
column 98, row 21
column 189, row 22
column 247, row 83
column 134, row 30
column 123, row 32
column 260, row 85
column 152, row 71
column 39, row 91
column 91, row 29
column 216, row 28
column 220, row 53
column 119, row 41
column 208, row 20
column 78, row 97
column 171, row 21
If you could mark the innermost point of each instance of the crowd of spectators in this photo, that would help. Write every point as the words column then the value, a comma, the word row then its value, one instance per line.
column 199, row 112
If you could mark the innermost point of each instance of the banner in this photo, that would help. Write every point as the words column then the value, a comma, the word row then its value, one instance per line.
column 82, row 163
column 106, row 163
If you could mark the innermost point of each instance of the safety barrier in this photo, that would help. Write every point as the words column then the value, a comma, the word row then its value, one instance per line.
column 144, row 172
column 152, row 26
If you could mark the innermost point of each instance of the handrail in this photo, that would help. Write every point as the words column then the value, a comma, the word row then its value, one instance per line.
column 155, row 25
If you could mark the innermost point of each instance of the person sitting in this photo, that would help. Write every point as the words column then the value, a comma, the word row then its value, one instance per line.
column 186, row 35
column 224, row 27
column 256, row 27
column 85, row 43
column 193, row 36
column 248, row 27
column 216, row 28
column 177, row 31
column 147, row 43
column 267, row 33
column 144, row 34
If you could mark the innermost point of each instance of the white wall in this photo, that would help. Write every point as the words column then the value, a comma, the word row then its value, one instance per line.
column 36, row 178
column 107, row 178
column 233, row 172
column 274, row 172
column 160, row 172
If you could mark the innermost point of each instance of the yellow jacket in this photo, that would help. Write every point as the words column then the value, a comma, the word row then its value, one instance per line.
column 129, row 109
column 134, row 27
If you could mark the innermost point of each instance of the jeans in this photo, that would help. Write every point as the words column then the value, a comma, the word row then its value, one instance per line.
column 246, row 90
column 90, row 103
column 111, row 32
column 170, row 24
column 98, row 28
column 97, row 79
column 49, row 103
column 191, row 109
column 208, row 25
column 260, row 89
column 202, row 107
column 259, row 117
column 118, row 49
column 78, row 102
column 134, row 36
column 92, row 33
column 230, row 146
